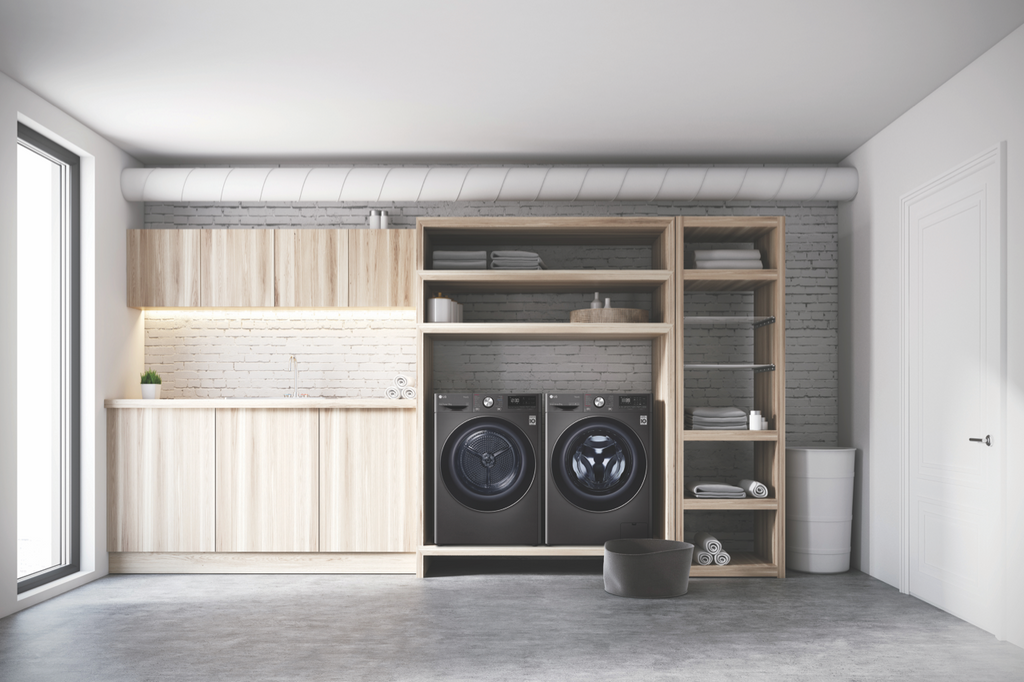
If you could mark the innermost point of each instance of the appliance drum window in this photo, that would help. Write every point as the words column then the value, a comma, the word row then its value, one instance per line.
column 488, row 464
column 598, row 464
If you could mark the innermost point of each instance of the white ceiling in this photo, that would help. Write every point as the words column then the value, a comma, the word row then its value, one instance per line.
column 213, row 81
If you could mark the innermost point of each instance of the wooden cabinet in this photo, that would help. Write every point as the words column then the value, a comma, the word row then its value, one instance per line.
column 267, row 492
column 163, row 268
column 237, row 268
column 382, row 268
column 160, row 480
column 368, row 481
column 311, row 268
column 328, row 268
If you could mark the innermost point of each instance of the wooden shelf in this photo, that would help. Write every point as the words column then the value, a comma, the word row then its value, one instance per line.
column 747, row 503
column 553, row 281
column 737, row 436
column 727, row 280
column 512, row 551
column 743, row 565
column 567, row 230
column 545, row 330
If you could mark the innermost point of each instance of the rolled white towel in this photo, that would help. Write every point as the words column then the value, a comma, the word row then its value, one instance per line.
column 703, row 558
column 401, row 381
column 392, row 393
column 722, row 558
column 755, row 488
column 409, row 393
column 707, row 542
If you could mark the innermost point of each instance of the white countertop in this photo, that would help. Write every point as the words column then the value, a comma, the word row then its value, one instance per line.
column 262, row 403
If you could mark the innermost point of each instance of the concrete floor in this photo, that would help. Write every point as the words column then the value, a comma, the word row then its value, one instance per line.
column 506, row 625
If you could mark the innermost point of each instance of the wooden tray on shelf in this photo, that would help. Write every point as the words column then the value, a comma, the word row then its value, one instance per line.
column 606, row 315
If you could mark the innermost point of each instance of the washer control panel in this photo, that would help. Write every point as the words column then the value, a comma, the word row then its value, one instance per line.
column 617, row 402
column 506, row 402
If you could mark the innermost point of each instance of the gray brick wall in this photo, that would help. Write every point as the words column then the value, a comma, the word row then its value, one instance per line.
column 811, row 323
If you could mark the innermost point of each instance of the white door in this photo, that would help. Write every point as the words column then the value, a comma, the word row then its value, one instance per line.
column 955, row 391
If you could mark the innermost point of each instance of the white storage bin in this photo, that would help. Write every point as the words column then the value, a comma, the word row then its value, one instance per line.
column 819, row 508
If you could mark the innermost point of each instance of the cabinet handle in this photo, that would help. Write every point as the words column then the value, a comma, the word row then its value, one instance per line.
column 987, row 440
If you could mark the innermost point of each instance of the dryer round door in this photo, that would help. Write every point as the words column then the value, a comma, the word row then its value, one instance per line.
column 488, row 464
column 598, row 464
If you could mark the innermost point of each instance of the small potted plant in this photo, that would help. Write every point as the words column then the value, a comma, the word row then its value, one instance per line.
column 150, row 384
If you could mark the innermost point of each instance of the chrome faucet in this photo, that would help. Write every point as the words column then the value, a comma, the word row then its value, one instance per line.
column 295, row 376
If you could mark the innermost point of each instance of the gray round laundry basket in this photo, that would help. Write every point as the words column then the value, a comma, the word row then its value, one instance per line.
column 647, row 568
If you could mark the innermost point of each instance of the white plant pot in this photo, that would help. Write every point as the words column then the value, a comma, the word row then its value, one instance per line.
column 150, row 391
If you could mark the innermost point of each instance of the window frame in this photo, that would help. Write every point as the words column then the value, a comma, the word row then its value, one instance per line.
column 71, row 461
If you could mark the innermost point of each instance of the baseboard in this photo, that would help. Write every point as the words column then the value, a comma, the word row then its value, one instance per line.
column 262, row 562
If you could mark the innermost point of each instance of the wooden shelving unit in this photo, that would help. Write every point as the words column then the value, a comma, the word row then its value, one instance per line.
column 768, row 320
column 666, row 281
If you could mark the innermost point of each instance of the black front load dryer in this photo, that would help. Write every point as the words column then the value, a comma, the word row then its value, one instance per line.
column 487, row 469
column 598, row 467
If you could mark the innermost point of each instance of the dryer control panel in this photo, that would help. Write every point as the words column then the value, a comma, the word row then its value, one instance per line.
column 506, row 402
column 617, row 402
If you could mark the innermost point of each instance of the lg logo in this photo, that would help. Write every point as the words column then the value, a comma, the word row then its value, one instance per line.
column 643, row 420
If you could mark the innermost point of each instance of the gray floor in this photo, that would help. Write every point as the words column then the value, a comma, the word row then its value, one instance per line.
column 506, row 625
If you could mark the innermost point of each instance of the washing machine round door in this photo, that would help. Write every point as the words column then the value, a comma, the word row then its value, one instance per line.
column 598, row 464
column 488, row 464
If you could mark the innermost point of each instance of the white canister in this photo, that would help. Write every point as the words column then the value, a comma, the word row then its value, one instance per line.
column 755, row 420
column 384, row 220
column 440, row 309
column 375, row 219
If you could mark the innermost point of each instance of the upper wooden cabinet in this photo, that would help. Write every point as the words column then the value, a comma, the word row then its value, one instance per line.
column 163, row 268
column 311, row 268
column 237, row 268
column 381, row 268
column 329, row 268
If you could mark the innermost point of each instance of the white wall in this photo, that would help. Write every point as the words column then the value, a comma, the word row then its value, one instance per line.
column 112, row 342
column 975, row 110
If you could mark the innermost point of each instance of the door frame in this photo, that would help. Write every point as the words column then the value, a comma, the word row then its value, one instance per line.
column 995, row 155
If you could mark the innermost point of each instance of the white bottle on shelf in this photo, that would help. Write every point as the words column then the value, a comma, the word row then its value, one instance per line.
column 755, row 420
column 596, row 303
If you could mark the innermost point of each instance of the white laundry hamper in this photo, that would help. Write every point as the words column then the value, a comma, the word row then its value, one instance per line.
column 819, row 508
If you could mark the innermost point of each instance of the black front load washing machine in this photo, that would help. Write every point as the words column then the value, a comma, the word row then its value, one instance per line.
column 487, row 469
column 598, row 467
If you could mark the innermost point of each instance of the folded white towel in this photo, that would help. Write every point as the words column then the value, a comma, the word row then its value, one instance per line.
column 703, row 558
column 516, row 261
column 707, row 542
column 726, row 254
column 460, row 255
column 514, row 254
column 506, row 265
column 729, row 265
column 713, row 412
column 708, row 489
column 722, row 558
column 755, row 488
column 714, row 420
column 460, row 264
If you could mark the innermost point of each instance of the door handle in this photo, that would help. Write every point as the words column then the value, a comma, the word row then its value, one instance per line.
column 987, row 440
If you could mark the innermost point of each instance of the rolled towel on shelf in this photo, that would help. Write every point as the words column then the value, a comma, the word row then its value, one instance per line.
column 707, row 542
column 401, row 381
column 703, row 558
column 722, row 558
column 392, row 393
column 755, row 488
column 713, row 490
column 409, row 393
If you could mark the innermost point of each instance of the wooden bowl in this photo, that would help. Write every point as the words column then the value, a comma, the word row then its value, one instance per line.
column 606, row 315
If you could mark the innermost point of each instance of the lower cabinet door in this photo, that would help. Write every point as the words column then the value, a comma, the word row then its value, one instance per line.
column 160, row 473
column 368, row 480
column 267, row 496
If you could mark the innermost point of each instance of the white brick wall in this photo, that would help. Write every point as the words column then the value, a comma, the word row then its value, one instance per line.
column 245, row 353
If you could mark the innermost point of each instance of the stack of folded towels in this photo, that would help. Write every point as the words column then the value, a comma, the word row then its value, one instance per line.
column 460, row 260
column 725, row 259
column 716, row 418
column 707, row 550
column 516, row 260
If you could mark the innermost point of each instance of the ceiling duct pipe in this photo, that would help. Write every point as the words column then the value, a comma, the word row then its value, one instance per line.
column 479, row 183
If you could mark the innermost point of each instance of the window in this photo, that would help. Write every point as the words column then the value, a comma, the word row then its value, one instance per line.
column 48, row 360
